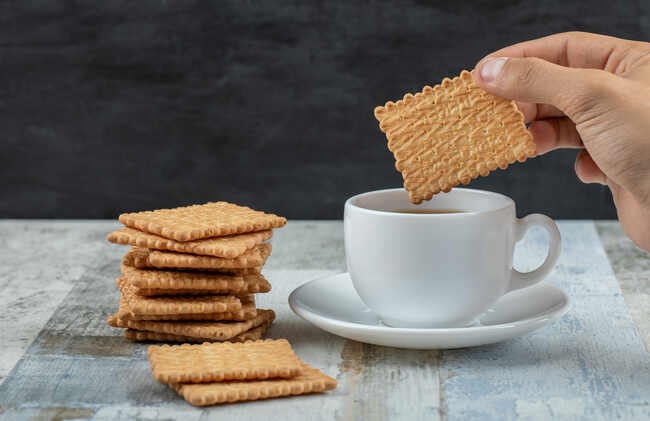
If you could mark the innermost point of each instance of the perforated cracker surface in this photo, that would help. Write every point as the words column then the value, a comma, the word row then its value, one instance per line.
column 254, row 257
column 146, row 336
column 194, row 222
column 173, row 282
column 181, row 304
column 215, row 362
column 247, row 312
column 210, row 330
column 229, row 247
column 310, row 380
column 138, row 257
column 452, row 133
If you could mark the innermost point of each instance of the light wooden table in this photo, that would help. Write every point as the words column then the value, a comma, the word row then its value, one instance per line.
column 59, row 359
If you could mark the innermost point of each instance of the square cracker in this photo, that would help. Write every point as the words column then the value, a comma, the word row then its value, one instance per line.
column 254, row 334
column 138, row 257
column 247, row 312
column 216, row 362
column 452, row 133
column 170, row 282
column 147, row 258
column 310, row 380
column 209, row 331
column 139, row 305
column 252, row 258
column 194, row 222
column 229, row 247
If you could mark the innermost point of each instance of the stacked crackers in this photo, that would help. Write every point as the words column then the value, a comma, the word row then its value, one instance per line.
column 214, row 373
column 192, row 272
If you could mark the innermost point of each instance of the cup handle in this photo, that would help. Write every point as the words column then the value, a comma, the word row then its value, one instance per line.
column 520, row 280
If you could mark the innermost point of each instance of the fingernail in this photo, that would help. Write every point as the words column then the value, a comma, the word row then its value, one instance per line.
column 491, row 68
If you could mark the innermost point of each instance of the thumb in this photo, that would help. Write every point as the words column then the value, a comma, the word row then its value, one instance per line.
column 539, row 81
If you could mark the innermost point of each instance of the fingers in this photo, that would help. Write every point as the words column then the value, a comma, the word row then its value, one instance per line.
column 534, row 112
column 555, row 133
column 633, row 216
column 535, row 80
column 587, row 170
column 571, row 49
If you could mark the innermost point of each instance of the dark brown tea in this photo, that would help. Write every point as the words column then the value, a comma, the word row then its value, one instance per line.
column 427, row 211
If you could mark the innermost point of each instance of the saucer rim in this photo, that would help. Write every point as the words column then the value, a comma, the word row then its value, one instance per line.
column 542, row 319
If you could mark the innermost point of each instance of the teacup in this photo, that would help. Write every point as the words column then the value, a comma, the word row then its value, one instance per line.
column 444, row 269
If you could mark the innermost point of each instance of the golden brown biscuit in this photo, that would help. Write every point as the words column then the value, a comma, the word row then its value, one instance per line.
column 452, row 133
column 216, row 362
column 207, row 330
column 195, row 222
column 310, row 380
column 228, row 247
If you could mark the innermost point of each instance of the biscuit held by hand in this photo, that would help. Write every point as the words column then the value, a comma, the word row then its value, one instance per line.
column 452, row 133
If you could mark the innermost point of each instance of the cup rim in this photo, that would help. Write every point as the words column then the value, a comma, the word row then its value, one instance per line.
column 509, row 202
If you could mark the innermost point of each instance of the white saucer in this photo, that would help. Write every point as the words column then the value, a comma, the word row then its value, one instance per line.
column 332, row 304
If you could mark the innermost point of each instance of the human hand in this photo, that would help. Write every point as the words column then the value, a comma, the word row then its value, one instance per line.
column 588, row 91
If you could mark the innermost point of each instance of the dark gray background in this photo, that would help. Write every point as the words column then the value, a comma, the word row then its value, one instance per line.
column 108, row 106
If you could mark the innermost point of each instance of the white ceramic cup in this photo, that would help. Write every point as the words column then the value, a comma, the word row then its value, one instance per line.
column 438, row 270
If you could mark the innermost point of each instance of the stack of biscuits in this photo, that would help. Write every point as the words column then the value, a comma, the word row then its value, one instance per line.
column 192, row 273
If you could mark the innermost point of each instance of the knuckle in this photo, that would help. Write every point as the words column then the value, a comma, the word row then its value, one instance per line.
column 591, row 87
column 523, row 78
column 522, row 72
column 596, row 81
column 576, row 34
column 527, row 73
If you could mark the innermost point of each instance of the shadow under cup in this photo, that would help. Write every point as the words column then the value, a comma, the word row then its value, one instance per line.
column 440, row 269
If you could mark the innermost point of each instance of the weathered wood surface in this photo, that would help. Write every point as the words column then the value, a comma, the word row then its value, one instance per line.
column 632, row 268
column 56, row 282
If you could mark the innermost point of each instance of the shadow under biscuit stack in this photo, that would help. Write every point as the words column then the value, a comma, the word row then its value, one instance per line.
column 192, row 273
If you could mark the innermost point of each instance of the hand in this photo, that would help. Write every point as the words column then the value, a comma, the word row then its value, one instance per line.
column 586, row 91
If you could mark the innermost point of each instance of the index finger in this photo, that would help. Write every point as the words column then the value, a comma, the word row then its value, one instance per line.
column 573, row 49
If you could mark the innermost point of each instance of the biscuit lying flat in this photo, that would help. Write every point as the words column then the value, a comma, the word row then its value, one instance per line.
column 309, row 380
column 215, row 373
column 252, row 258
column 148, row 258
column 195, row 222
column 207, row 330
column 173, row 282
column 229, row 246
column 452, row 133
column 248, row 311
column 138, row 257
column 216, row 362
column 136, row 307
column 253, row 334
